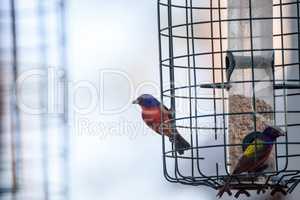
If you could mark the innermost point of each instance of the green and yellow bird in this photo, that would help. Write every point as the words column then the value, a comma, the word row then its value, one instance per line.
column 257, row 148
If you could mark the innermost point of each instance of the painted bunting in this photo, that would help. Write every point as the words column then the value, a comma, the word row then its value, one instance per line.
column 153, row 114
column 255, row 154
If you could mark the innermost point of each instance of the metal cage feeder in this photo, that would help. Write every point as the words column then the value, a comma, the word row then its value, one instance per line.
column 229, row 68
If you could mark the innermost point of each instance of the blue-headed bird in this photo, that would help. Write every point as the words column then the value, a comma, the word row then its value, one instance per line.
column 154, row 113
column 255, row 154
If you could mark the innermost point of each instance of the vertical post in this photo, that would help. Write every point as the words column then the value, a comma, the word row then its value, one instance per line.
column 161, row 78
column 249, row 66
column 171, row 63
column 291, row 72
column 15, row 116
column 43, row 96
column 64, row 63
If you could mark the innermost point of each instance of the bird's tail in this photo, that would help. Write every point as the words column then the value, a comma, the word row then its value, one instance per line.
column 224, row 189
column 180, row 143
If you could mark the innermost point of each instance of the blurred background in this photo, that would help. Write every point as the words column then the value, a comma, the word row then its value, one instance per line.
column 71, row 131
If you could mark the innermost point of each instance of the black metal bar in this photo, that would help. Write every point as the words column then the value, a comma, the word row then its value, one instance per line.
column 189, row 82
column 213, row 65
column 223, row 92
column 216, row 8
column 218, row 38
column 229, row 20
column 219, row 68
column 298, row 33
column 252, row 70
column 165, row 169
column 172, row 82
column 194, row 80
column 274, row 106
column 195, row 89
column 284, row 80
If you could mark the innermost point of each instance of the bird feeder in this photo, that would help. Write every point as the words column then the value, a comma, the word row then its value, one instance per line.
column 230, row 68
column 249, row 72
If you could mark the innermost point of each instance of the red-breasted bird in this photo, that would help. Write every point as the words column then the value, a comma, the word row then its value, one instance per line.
column 153, row 113
column 255, row 154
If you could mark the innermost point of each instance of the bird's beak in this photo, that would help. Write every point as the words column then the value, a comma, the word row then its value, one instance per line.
column 135, row 102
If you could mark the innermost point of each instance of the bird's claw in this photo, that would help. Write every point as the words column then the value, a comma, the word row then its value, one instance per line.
column 279, row 189
column 261, row 190
column 242, row 191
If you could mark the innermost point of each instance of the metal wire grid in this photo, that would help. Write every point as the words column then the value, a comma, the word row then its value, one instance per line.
column 12, row 17
column 282, row 179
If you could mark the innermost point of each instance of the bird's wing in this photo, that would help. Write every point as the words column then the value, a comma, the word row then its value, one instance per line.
column 152, row 117
column 255, row 155
column 167, row 125
column 167, row 112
